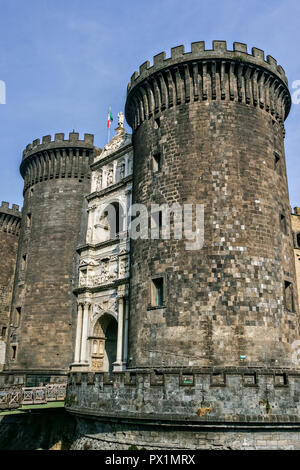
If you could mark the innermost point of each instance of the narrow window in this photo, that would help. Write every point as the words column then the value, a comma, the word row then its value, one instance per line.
column 156, row 162
column 157, row 123
column 277, row 165
column 18, row 316
column 23, row 262
column 298, row 240
column 282, row 220
column 289, row 296
column 28, row 220
column 13, row 352
column 3, row 331
column 117, row 207
column 160, row 223
column 157, row 292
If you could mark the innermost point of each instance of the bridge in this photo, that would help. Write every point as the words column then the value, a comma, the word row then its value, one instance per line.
column 14, row 396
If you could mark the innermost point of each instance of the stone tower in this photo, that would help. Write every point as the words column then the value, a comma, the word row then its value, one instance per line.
column 213, row 331
column 56, row 179
column 9, row 235
column 208, row 128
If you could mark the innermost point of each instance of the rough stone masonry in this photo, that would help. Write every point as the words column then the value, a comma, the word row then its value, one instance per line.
column 211, row 359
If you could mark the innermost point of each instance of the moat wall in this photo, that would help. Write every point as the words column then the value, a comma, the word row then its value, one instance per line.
column 38, row 429
column 208, row 408
column 58, row 430
column 96, row 435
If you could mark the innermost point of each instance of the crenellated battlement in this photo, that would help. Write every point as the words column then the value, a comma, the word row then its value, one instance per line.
column 208, row 394
column 198, row 51
column 205, row 74
column 59, row 141
column 57, row 158
column 14, row 210
column 10, row 218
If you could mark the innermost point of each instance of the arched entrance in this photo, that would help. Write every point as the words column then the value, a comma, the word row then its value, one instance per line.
column 104, row 344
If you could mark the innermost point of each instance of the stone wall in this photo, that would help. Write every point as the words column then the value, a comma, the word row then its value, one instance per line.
column 105, row 435
column 56, row 180
column 9, row 236
column 215, row 118
column 179, row 409
column 44, row 429
column 295, row 217
column 232, row 395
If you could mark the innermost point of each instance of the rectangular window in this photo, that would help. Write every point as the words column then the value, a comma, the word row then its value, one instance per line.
column 157, row 292
column 157, row 162
column 23, row 262
column 18, row 316
column 289, row 296
column 282, row 221
column 277, row 166
column 13, row 352
column 3, row 331
column 28, row 221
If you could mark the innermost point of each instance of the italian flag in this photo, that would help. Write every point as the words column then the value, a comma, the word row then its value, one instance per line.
column 110, row 118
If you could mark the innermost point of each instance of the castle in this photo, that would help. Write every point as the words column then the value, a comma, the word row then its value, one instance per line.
column 163, row 346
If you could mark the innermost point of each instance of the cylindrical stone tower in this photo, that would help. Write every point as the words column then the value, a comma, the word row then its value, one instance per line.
column 56, row 179
column 9, row 235
column 208, row 128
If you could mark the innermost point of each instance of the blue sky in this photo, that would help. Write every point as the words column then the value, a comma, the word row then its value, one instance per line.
column 65, row 62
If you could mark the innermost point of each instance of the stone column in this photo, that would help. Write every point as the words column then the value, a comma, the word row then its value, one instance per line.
column 78, row 334
column 83, row 357
column 118, row 365
column 126, row 165
column 126, row 320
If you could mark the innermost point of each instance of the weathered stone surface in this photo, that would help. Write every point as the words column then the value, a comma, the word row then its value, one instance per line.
column 9, row 235
column 295, row 219
column 218, row 149
column 106, row 435
column 56, row 181
column 271, row 396
column 242, row 414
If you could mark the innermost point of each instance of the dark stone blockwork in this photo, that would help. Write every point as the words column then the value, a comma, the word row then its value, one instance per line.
column 212, row 363
column 56, row 180
column 216, row 118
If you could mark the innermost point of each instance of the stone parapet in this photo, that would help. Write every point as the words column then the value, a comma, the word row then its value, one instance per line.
column 58, row 158
column 199, row 75
column 210, row 395
column 10, row 218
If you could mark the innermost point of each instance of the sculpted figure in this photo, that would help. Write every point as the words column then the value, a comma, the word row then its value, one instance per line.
column 121, row 119
column 110, row 177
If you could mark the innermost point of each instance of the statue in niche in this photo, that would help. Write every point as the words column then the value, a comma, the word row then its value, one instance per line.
column 123, row 267
column 122, row 170
column 110, row 177
column 98, row 181
column 113, row 270
column 83, row 277
column 104, row 274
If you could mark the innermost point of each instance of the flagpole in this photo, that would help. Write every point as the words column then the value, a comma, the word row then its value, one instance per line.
column 109, row 119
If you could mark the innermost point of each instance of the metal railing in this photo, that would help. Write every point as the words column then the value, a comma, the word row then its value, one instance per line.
column 15, row 397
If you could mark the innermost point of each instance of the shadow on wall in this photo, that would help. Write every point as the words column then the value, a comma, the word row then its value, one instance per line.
column 37, row 429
